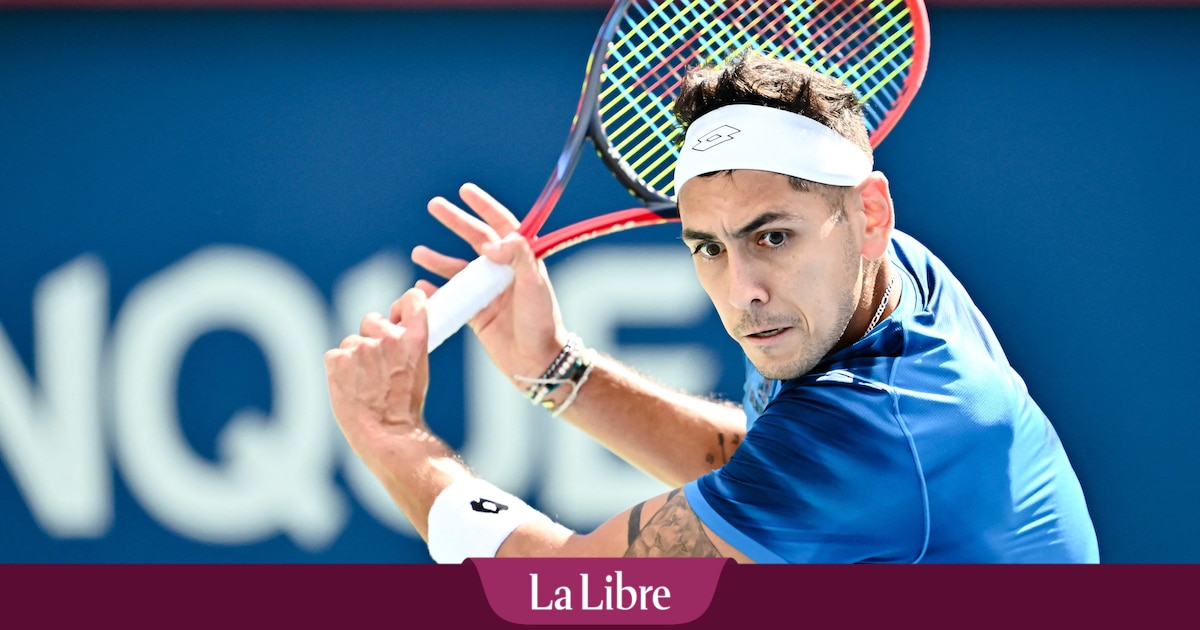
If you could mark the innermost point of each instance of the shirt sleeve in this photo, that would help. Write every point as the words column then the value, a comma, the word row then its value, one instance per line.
column 825, row 475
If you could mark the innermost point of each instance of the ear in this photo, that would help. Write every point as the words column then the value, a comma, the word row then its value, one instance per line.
column 880, row 215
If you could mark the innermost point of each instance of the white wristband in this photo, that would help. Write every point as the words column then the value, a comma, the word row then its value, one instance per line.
column 471, row 518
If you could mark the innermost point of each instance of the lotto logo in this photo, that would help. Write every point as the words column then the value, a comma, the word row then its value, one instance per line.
column 721, row 134
column 487, row 505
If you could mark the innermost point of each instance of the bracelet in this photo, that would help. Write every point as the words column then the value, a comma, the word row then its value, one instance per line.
column 556, row 373
column 571, row 367
column 550, row 379
column 577, row 379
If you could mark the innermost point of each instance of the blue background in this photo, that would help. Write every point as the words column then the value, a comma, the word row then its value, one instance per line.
column 1048, row 159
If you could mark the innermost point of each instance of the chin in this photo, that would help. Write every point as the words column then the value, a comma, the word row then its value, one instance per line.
column 778, row 370
column 780, row 374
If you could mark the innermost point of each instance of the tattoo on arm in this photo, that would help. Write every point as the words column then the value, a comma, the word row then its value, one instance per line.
column 673, row 531
column 635, row 522
column 734, row 440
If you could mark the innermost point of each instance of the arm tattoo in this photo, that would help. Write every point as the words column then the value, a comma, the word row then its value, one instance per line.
column 674, row 531
column 635, row 522
column 735, row 440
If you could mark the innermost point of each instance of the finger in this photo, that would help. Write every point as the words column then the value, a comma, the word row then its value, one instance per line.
column 469, row 228
column 491, row 211
column 427, row 287
column 395, row 311
column 436, row 262
column 411, row 309
column 332, row 356
column 350, row 342
column 374, row 326
column 512, row 250
column 337, row 359
column 399, row 307
column 336, row 362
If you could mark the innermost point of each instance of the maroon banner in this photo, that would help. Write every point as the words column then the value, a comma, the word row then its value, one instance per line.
column 432, row 596
column 613, row 591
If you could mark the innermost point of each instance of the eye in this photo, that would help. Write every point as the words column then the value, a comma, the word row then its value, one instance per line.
column 773, row 239
column 708, row 249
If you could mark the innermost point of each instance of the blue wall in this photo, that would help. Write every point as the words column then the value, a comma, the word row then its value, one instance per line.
column 171, row 182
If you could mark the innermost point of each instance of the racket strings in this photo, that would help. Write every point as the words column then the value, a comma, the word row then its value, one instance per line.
column 648, row 102
column 668, row 33
column 867, row 44
column 659, row 122
column 735, row 34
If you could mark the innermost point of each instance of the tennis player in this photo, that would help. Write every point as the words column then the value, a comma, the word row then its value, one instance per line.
column 882, row 422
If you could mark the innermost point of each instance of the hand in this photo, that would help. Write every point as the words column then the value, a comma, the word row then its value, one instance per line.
column 379, row 377
column 519, row 345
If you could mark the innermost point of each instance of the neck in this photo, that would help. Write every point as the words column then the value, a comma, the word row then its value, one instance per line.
column 875, row 299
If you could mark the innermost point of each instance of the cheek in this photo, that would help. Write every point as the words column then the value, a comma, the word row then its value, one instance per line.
column 801, row 278
column 816, row 286
column 711, row 282
column 839, row 279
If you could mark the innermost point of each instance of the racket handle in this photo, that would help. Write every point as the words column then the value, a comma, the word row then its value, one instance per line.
column 463, row 296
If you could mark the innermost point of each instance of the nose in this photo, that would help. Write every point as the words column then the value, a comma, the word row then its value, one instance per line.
column 747, row 288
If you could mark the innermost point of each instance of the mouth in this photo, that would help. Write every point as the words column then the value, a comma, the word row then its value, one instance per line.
column 768, row 334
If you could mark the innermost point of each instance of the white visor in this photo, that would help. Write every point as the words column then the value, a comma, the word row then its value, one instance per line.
column 767, row 139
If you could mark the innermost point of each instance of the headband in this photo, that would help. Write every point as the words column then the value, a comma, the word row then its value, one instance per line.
column 767, row 139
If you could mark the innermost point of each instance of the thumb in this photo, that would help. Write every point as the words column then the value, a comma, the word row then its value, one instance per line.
column 513, row 250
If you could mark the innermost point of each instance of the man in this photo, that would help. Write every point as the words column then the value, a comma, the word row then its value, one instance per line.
column 882, row 422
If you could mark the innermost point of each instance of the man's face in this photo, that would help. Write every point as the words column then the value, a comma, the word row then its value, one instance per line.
column 781, row 266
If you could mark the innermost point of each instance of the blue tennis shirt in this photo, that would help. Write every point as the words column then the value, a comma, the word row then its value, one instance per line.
column 918, row 443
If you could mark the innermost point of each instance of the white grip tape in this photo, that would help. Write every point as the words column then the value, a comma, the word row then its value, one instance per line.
column 471, row 518
column 463, row 296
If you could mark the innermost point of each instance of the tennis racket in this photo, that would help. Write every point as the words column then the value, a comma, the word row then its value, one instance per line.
column 640, row 56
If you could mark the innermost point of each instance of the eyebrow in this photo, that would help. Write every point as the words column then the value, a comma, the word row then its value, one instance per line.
column 748, row 228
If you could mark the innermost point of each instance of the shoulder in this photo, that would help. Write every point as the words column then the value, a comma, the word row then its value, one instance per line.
column 910, row 252
column 826, row 461
column 932, row 279
column 844, row 411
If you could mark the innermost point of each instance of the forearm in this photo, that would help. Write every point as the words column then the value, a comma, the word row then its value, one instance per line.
column 672, row 436
column 442, row 499
column 414, row 469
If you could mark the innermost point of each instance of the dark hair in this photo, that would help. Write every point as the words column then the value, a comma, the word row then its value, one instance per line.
column 752, row 78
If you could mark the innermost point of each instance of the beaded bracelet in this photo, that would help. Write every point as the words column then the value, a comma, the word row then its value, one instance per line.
column 583, row 369
column 550, row 379
column 571, row 367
